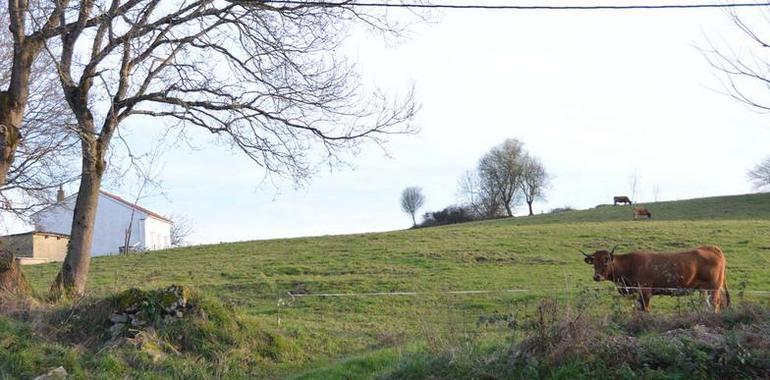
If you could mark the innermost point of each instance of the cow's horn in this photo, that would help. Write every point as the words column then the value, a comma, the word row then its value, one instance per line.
column 584, row 254
column 613, row 250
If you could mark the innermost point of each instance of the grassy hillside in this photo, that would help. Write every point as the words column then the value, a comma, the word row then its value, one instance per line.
column 732, row 207
column 537, row 256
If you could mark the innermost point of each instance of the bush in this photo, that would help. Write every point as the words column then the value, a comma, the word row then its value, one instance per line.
column 449, row 215
column 566, row 343
column 561, row 209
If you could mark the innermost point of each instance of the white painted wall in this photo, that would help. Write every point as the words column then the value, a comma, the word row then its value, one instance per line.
column 112, row 220
column 157, row 233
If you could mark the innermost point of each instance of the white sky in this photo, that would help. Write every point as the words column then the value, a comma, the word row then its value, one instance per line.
column 596, row 95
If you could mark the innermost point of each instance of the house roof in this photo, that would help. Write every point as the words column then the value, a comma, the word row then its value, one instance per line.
column 56, row 234
column 124, row 202
column 136, row 206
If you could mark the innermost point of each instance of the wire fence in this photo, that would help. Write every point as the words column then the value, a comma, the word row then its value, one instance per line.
column 453, row 307
column 554, row 290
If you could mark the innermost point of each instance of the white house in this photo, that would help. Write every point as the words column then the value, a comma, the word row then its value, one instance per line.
column 149, row 230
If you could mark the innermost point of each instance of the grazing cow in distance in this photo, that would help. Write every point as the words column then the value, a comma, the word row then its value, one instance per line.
column 641, row 211
column 650, row 273
column 620, row 199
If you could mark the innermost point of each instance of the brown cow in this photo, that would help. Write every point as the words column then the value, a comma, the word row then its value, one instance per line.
column 641, row 211
column 649, row 273
column 620, row 199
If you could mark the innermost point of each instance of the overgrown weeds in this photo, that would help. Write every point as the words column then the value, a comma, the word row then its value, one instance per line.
column 564, row 342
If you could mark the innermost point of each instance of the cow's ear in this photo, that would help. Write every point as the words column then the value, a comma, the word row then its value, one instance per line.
column 589, row 260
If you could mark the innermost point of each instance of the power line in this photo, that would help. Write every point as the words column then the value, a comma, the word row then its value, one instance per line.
column 514, row 7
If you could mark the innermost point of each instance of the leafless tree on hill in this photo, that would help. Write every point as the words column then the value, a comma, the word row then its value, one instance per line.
column 479, row 196
column 264, row 78
column 760, row 174
column 504, row 176
column 534, row 180
column 633, row 184
column 181, row 230
column 656, row 193
column 412, row 200
column 501, row 169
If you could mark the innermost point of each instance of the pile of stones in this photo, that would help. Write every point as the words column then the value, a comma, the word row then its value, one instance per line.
column 136, row 309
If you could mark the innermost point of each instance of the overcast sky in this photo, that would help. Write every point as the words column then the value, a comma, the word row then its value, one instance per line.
column 596, row 95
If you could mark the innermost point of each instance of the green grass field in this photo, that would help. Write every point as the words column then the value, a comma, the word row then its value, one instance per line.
column 361, row 335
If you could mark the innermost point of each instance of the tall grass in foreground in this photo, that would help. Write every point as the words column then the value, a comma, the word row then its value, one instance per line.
column 562, row 340
column 578, row 337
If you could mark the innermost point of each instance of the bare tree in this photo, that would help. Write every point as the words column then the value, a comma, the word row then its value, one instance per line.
column 146, row 171
column 412, row 200
column 760, row 174
column 534, row 180
column 501, row 169
column 30, row 137
column 263, row 77
column 30, row 25
column 656, row 193
column 181, row 230
column 633, row 183
column 479, row 196
column 745, row 69
column 46, row 148
column 746, row 73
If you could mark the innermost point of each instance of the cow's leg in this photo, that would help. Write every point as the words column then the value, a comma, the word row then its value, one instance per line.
column 715, row 299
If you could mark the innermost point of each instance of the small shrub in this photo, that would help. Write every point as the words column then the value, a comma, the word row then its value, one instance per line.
column 558, row 210
column 449, row 215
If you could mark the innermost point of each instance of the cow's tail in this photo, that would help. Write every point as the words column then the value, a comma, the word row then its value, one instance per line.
column 719, row 252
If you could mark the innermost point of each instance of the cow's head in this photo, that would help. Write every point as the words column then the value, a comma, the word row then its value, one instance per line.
column 602, row 262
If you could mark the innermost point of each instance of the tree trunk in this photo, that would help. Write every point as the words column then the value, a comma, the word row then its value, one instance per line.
column 10, row 120
column 13, row 102
column 12, row 279
column 508, row 209
column 414, row 221
column 530, row 208
column 71, row 280
column 12, row 105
